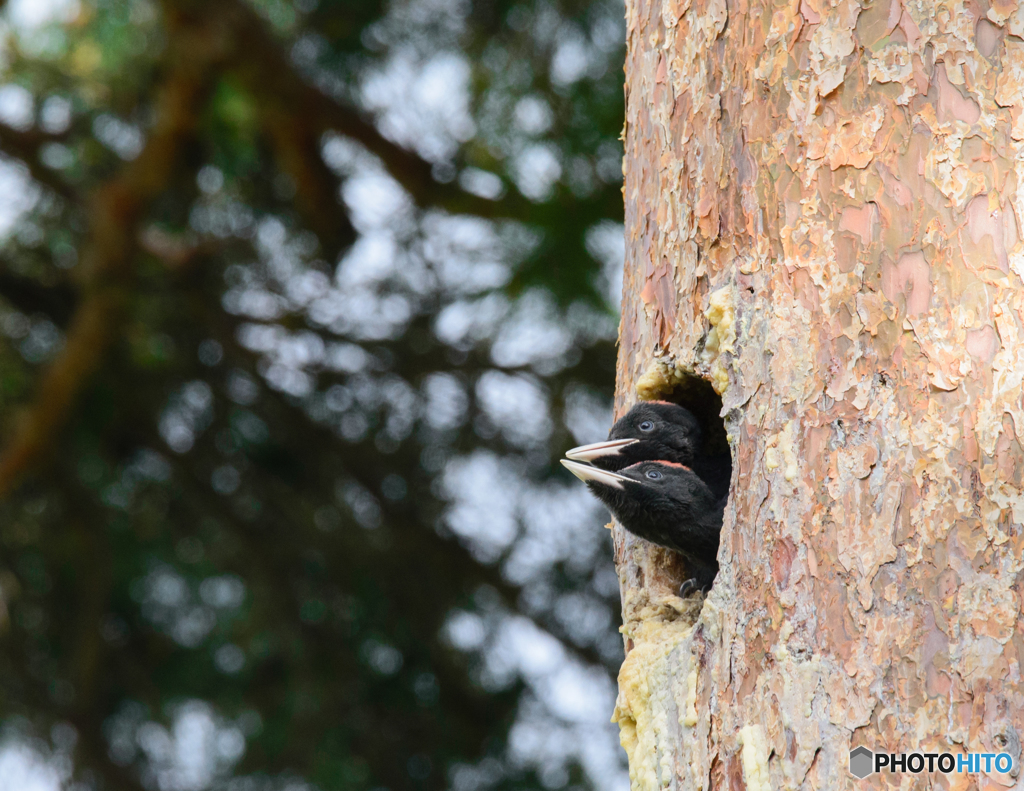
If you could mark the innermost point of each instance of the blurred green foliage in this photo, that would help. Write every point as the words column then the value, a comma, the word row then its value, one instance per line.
column 299, row 303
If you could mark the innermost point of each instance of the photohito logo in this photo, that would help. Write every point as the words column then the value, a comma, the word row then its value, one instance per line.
column 864, row 762
column 861, row 762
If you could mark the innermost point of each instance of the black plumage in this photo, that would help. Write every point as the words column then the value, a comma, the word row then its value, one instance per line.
column 667, row 504
column 659, row 430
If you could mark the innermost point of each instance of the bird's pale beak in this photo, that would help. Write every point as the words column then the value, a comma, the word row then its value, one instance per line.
column 587, row 473
column 599, row 449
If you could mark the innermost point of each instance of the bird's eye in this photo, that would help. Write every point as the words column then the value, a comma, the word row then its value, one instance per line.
column 647, row 425
column 654, row 475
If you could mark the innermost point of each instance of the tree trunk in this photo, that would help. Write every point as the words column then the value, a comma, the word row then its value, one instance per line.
column 822, row 212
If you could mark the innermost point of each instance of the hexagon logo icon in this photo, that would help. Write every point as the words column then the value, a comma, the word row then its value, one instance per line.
column 861, row 762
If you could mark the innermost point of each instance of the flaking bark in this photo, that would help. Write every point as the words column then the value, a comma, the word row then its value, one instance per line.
column 822, row 214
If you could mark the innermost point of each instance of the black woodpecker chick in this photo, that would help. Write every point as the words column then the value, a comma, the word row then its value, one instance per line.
column 667, row 504
column 658, row 430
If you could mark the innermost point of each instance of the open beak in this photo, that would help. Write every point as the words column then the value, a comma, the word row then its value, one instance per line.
column 586, row 473
column 599, row 449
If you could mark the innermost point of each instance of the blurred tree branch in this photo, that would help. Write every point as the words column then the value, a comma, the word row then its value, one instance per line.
column 273, row 79
column 115, row 209
column 297, row 147
column 30, row 296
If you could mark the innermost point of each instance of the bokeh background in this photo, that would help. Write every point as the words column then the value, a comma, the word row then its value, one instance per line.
column 300, row 303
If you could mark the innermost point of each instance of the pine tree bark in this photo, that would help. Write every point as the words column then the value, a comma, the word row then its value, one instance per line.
column 822, row 214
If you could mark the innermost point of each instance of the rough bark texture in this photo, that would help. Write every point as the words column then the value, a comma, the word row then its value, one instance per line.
column 822, row 213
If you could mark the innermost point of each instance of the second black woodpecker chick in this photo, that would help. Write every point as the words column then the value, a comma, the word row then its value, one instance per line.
column 665, row 503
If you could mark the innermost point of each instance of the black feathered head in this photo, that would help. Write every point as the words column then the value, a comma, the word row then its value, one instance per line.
column 651, row 430
column 663, row 502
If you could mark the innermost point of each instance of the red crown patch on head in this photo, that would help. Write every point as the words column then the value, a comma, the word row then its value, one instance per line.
column 659, row 461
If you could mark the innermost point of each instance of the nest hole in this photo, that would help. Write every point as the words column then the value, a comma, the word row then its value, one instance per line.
column 695, row 393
